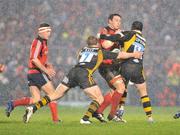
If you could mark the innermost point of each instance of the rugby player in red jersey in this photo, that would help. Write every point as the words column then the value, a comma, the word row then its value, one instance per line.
column 40, row 73
column 110, row 71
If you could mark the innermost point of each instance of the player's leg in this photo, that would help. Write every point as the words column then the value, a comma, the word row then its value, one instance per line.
column 106, row 102
column 145, row 100
column 95, row 94
column 23, row 101
column 58, row 93
column 107, row 75
column 48, row 88
column 118, row 83
column 120, row 110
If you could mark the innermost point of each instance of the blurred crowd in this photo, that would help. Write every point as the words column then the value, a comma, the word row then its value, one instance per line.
column 72, row 22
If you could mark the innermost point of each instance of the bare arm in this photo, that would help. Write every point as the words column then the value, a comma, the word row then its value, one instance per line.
column 107, row 44
column 50, row 72
column 2, row 67
column 125, row 55
column 39, row 65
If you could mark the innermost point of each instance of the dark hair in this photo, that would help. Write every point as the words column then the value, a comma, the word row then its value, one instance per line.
column 44, row 25
column 91, row 40
column 137, row 25
column 112, row 15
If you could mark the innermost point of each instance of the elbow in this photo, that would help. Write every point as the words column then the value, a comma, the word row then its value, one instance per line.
column 34, row 60
column 120, row 56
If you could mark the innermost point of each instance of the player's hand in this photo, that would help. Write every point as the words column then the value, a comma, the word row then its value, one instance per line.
column 138, row 54
column 118, row 31
column 2, row 68
column 49, row 65
column 51, row 72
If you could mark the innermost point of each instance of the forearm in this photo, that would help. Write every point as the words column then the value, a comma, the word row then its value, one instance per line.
column 125, row 55
column 107, row 44
column 113, row 38
column 38, row 64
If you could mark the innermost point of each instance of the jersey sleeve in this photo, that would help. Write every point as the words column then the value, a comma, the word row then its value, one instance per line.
column 35, row 49
column 109, row 55
column 113, row 38
column 102, row 31
column 121, row 38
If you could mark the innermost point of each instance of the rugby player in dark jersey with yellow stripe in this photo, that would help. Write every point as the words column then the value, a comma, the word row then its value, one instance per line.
column 89, row 60
column 132, row 69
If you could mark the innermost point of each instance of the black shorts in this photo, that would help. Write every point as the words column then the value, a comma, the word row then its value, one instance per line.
column 109, row 72
column 78, row 76
column 38, row 79
column 132, row 72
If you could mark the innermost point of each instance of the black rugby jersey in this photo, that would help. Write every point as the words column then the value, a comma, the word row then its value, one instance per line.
column 91, row 57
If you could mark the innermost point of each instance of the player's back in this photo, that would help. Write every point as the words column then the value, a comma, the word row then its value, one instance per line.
column 134, row 41
column 90, row 58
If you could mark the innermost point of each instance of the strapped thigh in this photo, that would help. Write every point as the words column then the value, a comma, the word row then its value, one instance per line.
column 117, row 78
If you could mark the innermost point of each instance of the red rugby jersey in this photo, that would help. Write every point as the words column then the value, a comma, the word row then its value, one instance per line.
column 108, row 31
column 39, row 49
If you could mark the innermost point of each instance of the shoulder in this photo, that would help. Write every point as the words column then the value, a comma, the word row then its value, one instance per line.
column 36, row 43
column 103, row 30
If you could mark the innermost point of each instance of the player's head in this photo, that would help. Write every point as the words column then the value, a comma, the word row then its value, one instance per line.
column 114, row 21
column 92, row 41
column 137, row 25
column 44, row 30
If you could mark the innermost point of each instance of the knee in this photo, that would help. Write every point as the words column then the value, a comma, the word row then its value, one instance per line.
column 34, row 100
column 100, row 99
column 121, row 88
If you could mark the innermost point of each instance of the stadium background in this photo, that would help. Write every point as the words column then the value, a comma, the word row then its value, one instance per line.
column 73, row 21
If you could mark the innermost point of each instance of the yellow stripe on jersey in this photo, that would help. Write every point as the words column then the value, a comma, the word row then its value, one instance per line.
column 99, row 61
column 128, row 43
column 143, row 74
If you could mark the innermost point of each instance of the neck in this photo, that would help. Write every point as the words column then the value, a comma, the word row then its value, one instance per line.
column 95, row 46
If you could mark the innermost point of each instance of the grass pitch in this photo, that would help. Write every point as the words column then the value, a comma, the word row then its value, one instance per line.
column 41, row 124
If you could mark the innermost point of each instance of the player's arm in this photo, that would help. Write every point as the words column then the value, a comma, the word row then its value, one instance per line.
column 112, row 38
column 126, row 55
column 107, row 44
column 2, row 68
column 34, row 57
column 121, row 55
column 49, row 71
column 121, row 37
column 104, row 43
column 38, row 64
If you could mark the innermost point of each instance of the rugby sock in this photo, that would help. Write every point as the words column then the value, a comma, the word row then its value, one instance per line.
column 106, row 103
column 115, row 102
column 123, row 99
column 92, row 108
column 54, row 110
column 43, row 102
column 146, row 105
column 22, row 101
